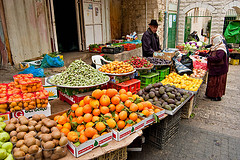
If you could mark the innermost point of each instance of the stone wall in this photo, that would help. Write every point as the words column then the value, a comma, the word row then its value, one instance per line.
column 217, row 8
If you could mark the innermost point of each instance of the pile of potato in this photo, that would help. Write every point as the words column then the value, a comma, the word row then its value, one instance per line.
column 36, row 138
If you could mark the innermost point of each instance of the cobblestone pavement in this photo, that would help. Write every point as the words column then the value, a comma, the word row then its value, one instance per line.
column 213, row 133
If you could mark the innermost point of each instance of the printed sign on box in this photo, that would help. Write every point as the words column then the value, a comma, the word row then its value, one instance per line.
column 6, row 116
column 46, row 111
column 52, row 92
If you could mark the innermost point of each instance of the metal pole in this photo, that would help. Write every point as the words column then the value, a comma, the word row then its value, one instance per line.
column 165, row 26
column 176, row 42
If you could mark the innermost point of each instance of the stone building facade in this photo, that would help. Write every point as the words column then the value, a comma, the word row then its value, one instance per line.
column 217, row 9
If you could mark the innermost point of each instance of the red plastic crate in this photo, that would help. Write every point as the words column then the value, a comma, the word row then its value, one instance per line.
column 128, row 46
column 75, row 99
column 132, row 85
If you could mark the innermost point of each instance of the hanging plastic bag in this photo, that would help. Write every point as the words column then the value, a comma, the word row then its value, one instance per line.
column 37, row 72
column 180, row 68
column 49, row 62
column 187, row 61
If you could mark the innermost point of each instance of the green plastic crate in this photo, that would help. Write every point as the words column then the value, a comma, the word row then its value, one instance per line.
column 149, row 79
column 163, row 73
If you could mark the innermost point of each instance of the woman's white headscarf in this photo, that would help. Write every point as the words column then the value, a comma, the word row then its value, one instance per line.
column 217, row 43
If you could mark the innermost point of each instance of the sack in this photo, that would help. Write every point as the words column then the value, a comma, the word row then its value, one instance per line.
column 187, row 61
column 180, row 68
column 49, row 62
column 39, row 72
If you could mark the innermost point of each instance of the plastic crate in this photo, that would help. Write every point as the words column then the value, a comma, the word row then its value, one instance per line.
column 42, row 99
column 72, row 99
column 163, row 73
column 29, row 101
column 120, row 154
column 128, row 46
column 234, row 61
column 132, row 85
column 112, row 50
column 149, row 79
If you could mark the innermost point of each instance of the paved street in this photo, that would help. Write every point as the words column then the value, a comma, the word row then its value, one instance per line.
column 212, row 134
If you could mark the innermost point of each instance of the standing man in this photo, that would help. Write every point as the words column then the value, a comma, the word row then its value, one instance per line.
column 193, row 37
column 150, row 40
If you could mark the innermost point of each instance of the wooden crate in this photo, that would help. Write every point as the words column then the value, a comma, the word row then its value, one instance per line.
column 188, row 108
column 120, row 154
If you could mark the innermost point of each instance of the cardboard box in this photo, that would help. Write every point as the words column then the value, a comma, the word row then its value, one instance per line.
column 165, row 55
column 120, row 135
column 52, row 90
column 89, row 145
column 46, row 111
column 6, row 116
column 150, row 119
column 36, row 62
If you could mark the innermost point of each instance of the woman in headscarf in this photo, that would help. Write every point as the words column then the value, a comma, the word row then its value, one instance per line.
column 218, row 68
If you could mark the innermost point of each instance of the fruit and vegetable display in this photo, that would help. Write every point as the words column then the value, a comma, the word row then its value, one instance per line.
column 183, row 82
column 116, row 67
column 79, row 74
column 158, row 61
column 139, row 62
column 198, row 73
column 165, row 96
column 103, row 110
column 5, row 145
column 36, row 138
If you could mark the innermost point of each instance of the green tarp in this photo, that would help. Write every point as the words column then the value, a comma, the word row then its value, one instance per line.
column 232, row 33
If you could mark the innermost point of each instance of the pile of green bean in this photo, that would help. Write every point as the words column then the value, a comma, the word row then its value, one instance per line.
column 79, row 74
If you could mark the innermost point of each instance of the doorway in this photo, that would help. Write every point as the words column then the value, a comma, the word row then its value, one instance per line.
column 66, row 25
column 172, row 30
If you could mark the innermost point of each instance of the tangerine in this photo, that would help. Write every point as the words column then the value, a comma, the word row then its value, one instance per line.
column 56, row 118
column 62, row 120
column 129, row 94
column 133, row 116
column 112, row 107
column 116, row 117
column 96, row 112
column 94, row 103
column 108, row 115
column 86, row 99
column 95, row 118
column 87, row 117
column 146, row 112
column 135, row 96
column 104, row 92
column 157, row 110
column 83, row 138
column 80, row 128
column 104, row 100
column 122, row 91
column 74, row 107
column 123, row 115
column 95, row 136
column 148, row 104
column 59, row 126
column 119, row 107
column 80, row 119
column 67, row 125
column 104, row 110
column 121, row 124
column 128, row 103
column 65, row 131
column 123, row 97
column 89, row 124
column 90, row 132
column 133, row 107
column 97, row 93
column 79, row 111
column 81, row 103
column 115, row 100
column 100, row 126
column 111, row 92
column 87, row 109
column 140, row 106
column 111, row 123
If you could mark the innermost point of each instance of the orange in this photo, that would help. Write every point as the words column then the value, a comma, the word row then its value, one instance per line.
column 141, row 98
column 115, row 100
column 135, row 97
column 80, row 128
column 122, row 91
column 116, row 117
column 123, row 97
column 97, row 93
column 104, row 92
column 133, row 116
column 87, row 117
column 111, row 123
column 80, row 119
column 123, row 115
column 104, row 110
column 95, row 118
column 121, row 124
column 59, row 126
column 138, row 120
column 72, row 136
column 65, row 115
column 112, row 107
column 96, row 112
column 86, row 100
column 127, row 103
column 95, row 136
column 133, row 107
column 74, row 107
column 119, row 107
column 87, row 109
column 157, row 110
column 94, row 103
column 104, row 100
column 89, row 124
column 71, row 114
column 90, row 132
column 56, row 118
column 148, row 104
column 108, row 115
column 140, row 106
column 65, row 131
column 81, row 104
column 67, row 125
column 128, row 125
column 82, row 132
column 146, row 112
column 100, row 126
column 79, row 111
column 104, row 133
column 111, row 92
column 74, row 119
column 83, row 138
column 62, row 120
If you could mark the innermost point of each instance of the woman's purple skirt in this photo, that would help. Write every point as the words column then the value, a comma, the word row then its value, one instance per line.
column 216, row 86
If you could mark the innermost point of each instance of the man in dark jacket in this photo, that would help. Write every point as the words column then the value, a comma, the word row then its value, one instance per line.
column 193, row 36
column 150, row 40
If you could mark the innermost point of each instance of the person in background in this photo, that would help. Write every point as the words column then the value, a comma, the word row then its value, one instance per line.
column 218, row 68
column 193, row 36
column 150, row 40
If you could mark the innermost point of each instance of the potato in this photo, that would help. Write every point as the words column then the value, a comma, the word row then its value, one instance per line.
column 8, row 122
column 63, row 141
column 42, row 143
column 56, row 142
column 30, row 141
column 38, row 127
column 19, row 143
column 23, row 128
column 39, row 134
column 33, row 149
column 49, row 123
column 14, row 139
column 40, row 122
column 42, row 116
column 13, row 133
column 38, row 155
column 29, row 157
column 62, row 134
column 31, row 128
column 14, row 120
column 49, row 145
column 32, row 123
column 36, row 117
column 23, row 120
column 17, row 125
column 18, row 130
column 21, row 135
column 15, row 149
column 33, row 133
column 44, row 129
column 54, row 156
column 24, row 148
column 28, row 136
column 46, row 137
column 56, row 134
column 38, row 143
column 58, row 150
column 64, row 152
column 18, row 154
column 10, row 127
column 47, row 154
column 54, row 129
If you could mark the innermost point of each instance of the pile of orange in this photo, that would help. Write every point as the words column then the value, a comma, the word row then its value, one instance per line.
column 103, row 110
column 29, row 101
column 19, row 77
column 42, row 98
column 15, row 102
column 3, row 88
column 117, row 67
column 30, row 85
